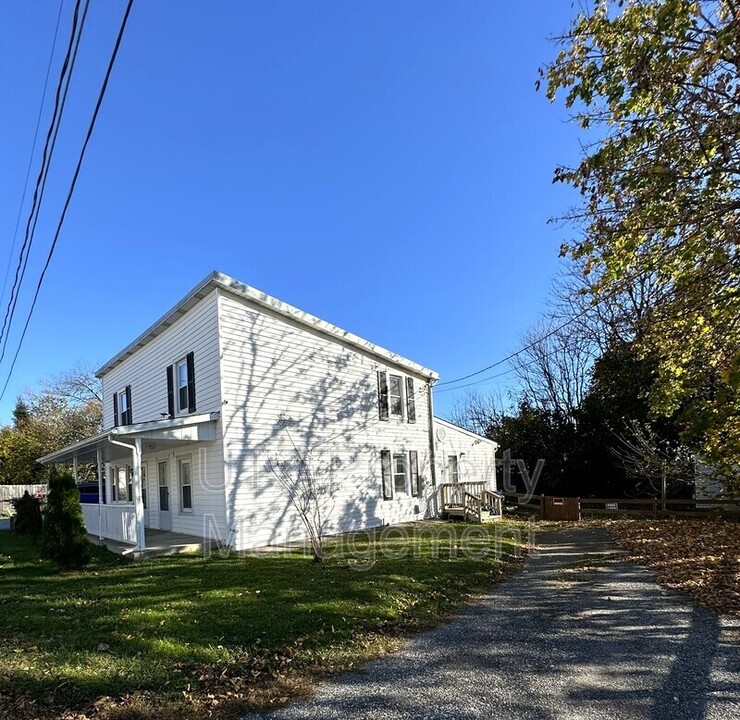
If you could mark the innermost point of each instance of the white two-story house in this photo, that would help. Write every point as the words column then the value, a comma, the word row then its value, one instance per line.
column 217, row 412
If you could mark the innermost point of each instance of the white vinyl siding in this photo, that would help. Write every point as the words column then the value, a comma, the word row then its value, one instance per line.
column 475, row 455
column 284, row 383
column 146, row 371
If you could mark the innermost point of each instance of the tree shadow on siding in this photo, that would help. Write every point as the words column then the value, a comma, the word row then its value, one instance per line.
column 308, row 397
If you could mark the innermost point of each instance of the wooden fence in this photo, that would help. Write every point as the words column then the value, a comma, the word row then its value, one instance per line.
column 10, row 492
column 649, row 507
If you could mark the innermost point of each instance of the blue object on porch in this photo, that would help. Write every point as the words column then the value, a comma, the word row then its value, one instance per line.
column 89, row 492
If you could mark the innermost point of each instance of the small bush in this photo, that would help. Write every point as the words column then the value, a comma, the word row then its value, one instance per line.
column 64, row 535
column 27, row 515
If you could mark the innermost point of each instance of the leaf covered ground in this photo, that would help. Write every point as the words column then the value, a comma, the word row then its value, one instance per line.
column 190, row 637
column 700, row 557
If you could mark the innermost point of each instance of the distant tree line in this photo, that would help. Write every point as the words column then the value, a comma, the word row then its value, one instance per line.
column 64, row 410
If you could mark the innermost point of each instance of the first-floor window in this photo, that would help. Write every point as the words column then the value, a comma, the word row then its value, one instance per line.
column 184, row 471
column 121, row 484
column 414, row 473
column 399, row 473
column 385, row 467
column 164, row 489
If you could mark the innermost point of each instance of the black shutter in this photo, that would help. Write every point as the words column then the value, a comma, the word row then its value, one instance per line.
column 414, row 472
column 170, row 391
column 410, row 400
column 385, row 466
column 129, row 410
column 115, row 409
column 382, row 395
column 190, row 359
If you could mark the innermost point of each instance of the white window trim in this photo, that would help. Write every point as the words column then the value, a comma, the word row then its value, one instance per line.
column 188, row 459
column 401, row 383
column 120, row 397
column 182, row 362
column 167, row 483
column 115, row 487
column 404, row 457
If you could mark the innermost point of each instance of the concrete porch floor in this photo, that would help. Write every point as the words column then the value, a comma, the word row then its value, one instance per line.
column 158, row 543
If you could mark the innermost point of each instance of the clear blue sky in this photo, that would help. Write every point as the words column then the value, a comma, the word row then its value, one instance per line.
column 384, row 165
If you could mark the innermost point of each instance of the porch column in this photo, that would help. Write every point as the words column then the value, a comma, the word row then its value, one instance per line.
column 138, row 497
column 101, row 470
column 74, row 467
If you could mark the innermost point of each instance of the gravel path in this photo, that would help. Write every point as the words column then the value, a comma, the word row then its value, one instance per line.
column 576, row 634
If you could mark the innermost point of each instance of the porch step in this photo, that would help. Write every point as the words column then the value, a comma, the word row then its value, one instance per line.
column 157, row 545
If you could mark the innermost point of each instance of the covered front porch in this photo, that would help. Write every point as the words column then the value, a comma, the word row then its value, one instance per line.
column 119, row 519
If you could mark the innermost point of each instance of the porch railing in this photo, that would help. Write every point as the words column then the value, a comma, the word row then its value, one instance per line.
column 469, row 500
column 115, row 522
column 453, row 493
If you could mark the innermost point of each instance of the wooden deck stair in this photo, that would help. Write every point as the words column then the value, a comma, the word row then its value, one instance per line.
column 470, row 501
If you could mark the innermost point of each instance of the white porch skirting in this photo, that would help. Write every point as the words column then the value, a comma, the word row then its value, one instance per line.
column 116, row 522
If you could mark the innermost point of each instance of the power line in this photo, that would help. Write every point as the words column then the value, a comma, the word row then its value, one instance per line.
column 529, row 346
column 33, row 150
column 558, row 328
column 72, row 186
column 38, row 194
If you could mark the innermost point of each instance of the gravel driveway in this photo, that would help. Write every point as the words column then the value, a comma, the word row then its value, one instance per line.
column 576, row 634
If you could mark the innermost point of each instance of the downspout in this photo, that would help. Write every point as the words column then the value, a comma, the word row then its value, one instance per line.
column 138, row 499
column 432, row 455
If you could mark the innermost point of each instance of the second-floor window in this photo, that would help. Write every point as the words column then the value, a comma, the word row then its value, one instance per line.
column 122, row 411
column 395, row 395
column 181, row 386
column 391, row 397
column 181, row 377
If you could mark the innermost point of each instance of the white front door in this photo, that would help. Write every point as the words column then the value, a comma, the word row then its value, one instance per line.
column 163, row 481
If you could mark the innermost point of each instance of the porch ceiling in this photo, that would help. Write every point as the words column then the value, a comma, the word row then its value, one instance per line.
column 156, row 435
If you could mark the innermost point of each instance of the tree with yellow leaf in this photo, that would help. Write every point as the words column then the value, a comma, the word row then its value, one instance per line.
column 657, row 83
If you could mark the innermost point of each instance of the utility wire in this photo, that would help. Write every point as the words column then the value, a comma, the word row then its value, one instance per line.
column 557, row 329
column 529, row 346
column 90, row 129
column 33, row 150
column 59, row 102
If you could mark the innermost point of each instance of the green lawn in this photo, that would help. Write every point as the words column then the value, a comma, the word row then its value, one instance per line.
column 174, row 636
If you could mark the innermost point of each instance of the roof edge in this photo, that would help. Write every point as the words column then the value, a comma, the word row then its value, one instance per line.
column 461, row 429
column 217, row 280
column 144, row 338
